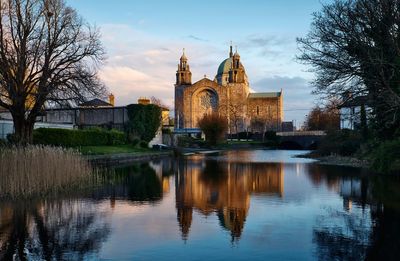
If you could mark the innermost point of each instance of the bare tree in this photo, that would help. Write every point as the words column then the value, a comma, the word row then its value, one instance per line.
column 47, row 54
column 158, row 102
column 354, row 47
column 235, row 118
column 259, row 125
column 323, row 118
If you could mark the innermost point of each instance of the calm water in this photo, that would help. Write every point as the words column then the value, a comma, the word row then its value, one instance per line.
column 239, row 205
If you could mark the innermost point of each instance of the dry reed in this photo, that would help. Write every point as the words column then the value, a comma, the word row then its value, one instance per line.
column 40, row 170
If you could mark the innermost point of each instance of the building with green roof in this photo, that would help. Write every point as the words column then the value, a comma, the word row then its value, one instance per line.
column 228, row 95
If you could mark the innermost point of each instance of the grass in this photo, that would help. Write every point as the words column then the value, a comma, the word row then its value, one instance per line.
column 39, row 170
column 104, row 150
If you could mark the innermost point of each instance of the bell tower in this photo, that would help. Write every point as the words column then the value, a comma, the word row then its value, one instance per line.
column 183, row 74
column 237, row 73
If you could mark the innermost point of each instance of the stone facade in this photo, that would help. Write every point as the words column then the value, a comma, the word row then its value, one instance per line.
column 228, row 95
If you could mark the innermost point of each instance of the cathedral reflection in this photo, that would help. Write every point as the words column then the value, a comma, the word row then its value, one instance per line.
column 224, row 188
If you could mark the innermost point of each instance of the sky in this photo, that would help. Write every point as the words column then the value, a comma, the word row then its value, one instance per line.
column 144, row 41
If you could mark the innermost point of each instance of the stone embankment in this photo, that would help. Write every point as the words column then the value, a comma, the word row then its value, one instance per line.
column 339, row 160
column 125, row 158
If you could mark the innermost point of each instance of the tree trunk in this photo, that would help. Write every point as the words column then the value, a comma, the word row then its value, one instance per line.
column 23, row 130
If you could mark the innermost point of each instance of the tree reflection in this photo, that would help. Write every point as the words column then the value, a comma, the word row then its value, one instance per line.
column 336, row 243
column 138, row 183
column 369, row 232
column 61, row 230
column 385, row 239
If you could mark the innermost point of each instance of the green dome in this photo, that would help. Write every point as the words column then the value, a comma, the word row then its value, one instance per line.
column 225, row 66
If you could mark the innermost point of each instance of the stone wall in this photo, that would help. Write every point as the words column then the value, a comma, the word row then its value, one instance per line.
column 230, row 101
column 113, row 117
column 267, row 110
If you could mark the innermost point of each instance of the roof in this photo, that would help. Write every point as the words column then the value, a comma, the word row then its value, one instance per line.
column 265, row 95
column 226, row 65
column 355, row 101
column 95, row 103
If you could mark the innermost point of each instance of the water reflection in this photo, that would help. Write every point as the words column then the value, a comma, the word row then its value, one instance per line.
column 210, row 186
column 139, row 183
column 60, row 230
column 181, row 206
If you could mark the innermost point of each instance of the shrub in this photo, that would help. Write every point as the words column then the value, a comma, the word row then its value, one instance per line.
column 11, row 138
column 244, row 135
column 135, row 142
column 144, row 120
column 271, row 136
column 214, row 127
column 144, row 144
column 342, row 142
column 386, row 158
column 74, row 138
column 3, row 143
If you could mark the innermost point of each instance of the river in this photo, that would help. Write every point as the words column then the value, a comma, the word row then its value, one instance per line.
column 236, row 205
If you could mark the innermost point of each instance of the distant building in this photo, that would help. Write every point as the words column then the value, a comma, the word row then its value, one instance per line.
column 228, row 94
column 95, row 103
column 93, row 113
column 350, row 112
column 287, row 126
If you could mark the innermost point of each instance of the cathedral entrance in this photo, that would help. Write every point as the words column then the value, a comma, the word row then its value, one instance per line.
column 204, row 102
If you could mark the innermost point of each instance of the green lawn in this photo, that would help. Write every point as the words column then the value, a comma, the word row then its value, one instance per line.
column 102, row 150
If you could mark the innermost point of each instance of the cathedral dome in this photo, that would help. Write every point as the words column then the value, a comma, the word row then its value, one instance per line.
column 226, row 65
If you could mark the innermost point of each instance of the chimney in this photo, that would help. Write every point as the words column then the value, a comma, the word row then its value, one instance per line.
column 111, row 99
column 144, row 101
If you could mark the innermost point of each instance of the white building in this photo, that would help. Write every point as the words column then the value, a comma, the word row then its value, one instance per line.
column 350, row 112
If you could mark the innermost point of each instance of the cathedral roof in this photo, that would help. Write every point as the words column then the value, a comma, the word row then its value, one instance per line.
column 265, row 95
column 225, row 66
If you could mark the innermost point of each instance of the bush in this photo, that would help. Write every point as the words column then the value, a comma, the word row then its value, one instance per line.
column 75, row 138
column 144, row 144
column 11, row 138
column 144, row 120
column 135, row 142
column 3, row 143
column 214, row 127
column 244, row 135
column 342, row 142
column 386, row 158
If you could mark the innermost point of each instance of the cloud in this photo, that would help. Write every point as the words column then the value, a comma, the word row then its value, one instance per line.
column 273, row 45
column 297, row 96
column 141, row 64
column 197, row 38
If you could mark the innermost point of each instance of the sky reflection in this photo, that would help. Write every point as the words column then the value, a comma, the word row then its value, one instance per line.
column 218, row 207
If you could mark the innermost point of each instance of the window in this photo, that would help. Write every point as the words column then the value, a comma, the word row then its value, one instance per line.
column 258, row 110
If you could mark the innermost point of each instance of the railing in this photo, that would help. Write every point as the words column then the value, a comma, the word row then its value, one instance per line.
column 301, row 133
column 188, row 130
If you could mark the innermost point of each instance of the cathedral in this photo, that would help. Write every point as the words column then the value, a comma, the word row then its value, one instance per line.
column 229, row 95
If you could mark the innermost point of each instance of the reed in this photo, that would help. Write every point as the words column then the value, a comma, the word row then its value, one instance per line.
column 41, row 170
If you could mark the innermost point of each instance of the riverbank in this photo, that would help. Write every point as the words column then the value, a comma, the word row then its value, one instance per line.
column 125, row 158
column 338, row 160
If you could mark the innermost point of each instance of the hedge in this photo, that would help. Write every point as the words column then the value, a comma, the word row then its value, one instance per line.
column 75, row 138
column 386, row 157
column 340, row 142
column 144, row 121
